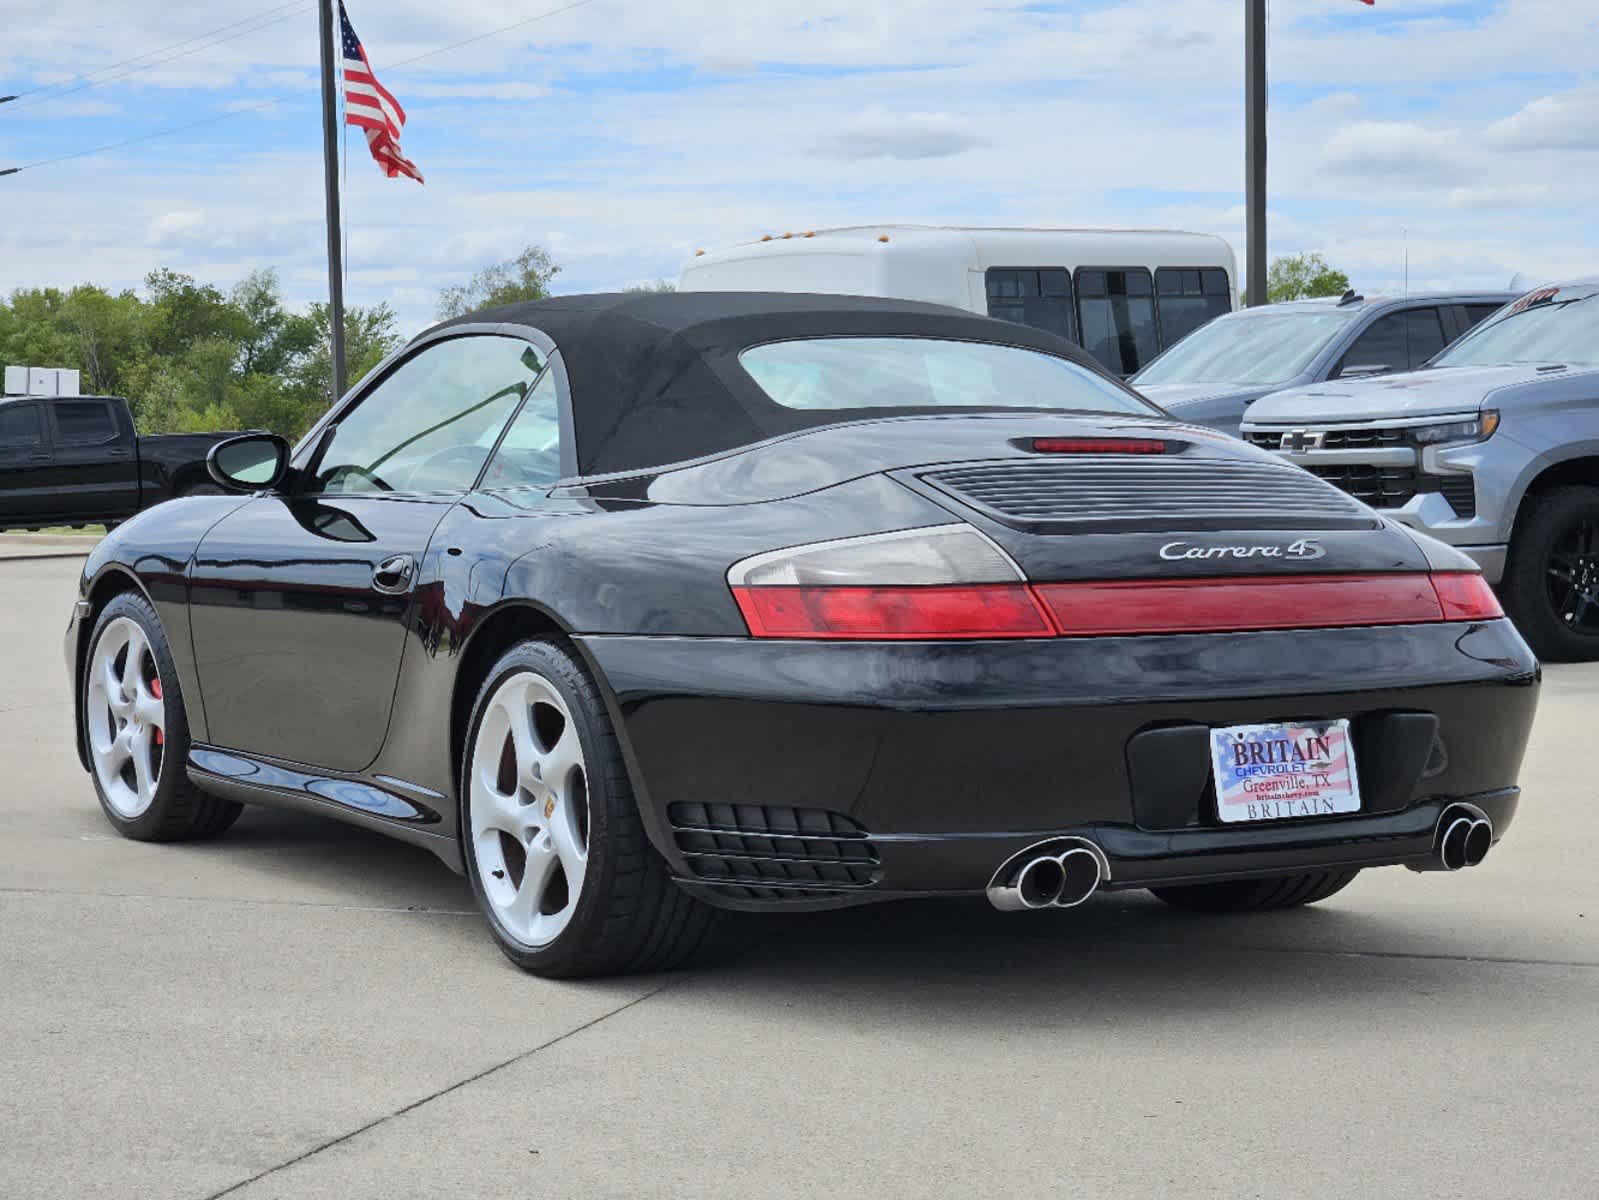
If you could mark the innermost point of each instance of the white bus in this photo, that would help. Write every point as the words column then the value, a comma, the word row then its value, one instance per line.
column 1124, row 295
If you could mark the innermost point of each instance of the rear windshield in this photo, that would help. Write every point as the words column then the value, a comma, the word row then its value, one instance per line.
column 1551, row 325
column 922, row 373
column 1247, row 348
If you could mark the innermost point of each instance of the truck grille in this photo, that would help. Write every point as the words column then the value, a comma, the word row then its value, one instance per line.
column 1161, row 493
column 1334, row 439
column 1380, row 487
column 1461, row 492
column 769, row 845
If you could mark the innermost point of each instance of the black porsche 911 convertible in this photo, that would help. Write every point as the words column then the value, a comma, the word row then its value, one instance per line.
column 635, row 608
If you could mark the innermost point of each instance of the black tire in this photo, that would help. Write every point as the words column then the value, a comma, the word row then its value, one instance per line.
column 180, row 811
column 1542, row 533
column 629, row 915
column 203, row 489
column 1257, row 895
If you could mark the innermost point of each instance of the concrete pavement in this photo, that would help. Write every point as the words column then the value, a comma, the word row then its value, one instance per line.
column 302, row 1009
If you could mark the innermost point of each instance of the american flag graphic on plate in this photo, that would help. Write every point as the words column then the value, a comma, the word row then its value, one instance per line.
column 1274, row 772
column 370, row 106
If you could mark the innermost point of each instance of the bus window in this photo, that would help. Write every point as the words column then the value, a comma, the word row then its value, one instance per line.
column 1188, row 297
column 1116, row 312
column 1036, row 296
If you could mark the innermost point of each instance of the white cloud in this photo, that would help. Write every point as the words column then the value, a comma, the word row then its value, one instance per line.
column 1396, row 151
column 1566, row 121
column 626, row 136
column 881, row 134
column 489, row 90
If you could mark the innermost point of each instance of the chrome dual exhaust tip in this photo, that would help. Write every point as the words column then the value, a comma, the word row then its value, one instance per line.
column 1059, row 873
column 1462, row 839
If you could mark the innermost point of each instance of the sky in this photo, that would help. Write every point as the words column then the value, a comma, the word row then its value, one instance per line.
column 622, row 136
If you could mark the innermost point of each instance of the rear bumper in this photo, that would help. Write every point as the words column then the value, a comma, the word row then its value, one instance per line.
column 852, row 772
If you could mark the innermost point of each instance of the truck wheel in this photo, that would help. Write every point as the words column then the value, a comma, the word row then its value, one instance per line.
column 1551, row 583
column 202, row 489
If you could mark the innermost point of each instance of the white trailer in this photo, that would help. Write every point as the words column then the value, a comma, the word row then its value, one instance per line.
column 1123, row 294
column 41, row 381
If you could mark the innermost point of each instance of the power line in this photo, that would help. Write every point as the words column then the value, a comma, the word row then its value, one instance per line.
column 89, row 79
column 268, row 103
column 63, row 87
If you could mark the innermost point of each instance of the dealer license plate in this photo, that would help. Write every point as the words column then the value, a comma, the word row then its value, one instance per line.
column 1275, row 772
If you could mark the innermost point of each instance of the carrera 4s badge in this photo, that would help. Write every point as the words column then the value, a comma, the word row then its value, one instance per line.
column 1302, row 550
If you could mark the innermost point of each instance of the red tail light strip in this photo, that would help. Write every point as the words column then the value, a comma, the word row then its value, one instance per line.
column 1114, row 607
column 1225, row 605
column 1085, row 445
column 983, row 610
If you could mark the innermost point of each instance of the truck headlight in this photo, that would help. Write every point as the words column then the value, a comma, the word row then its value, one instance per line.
column 1457, row 433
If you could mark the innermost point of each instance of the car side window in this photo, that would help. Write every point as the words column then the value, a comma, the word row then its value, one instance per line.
column 19, row 427
column 1475, row 313
column 1396, row 342
column 1425, row 333
column 83, row 422
column 1116, row 312
column 429, row 425
column 530, row 453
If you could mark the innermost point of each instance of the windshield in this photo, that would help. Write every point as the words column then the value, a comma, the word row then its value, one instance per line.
column 906, row 372
column 1247, row 348
column 1551, row 325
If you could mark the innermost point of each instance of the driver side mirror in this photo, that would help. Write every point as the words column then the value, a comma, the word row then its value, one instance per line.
column 251, row 463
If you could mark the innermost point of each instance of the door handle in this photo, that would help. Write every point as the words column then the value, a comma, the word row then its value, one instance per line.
column 392, row 576
column 41, row 457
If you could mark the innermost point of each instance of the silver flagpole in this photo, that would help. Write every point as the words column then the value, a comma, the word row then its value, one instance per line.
column 330, row 165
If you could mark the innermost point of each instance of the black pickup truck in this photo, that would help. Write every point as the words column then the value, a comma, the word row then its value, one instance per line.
column 76, row 460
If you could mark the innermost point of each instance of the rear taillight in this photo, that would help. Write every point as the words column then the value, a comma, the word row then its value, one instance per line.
column 944, row 581
column 1137, row 606
column 950, row 582
column 979, row 610
column 1466, row 597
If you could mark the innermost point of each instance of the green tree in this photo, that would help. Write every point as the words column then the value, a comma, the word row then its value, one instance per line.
column 525, row 277
column 370, row 336
column 653, row 288
column 1301, row 277
column 183, row 313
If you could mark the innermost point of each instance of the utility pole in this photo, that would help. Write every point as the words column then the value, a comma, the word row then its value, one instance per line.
column 330, row 166
column 1255, row 149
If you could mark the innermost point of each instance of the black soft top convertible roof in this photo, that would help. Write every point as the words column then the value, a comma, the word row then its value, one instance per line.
column 655, row 378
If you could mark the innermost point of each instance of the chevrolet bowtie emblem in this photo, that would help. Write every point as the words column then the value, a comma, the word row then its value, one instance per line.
column 1303, row 439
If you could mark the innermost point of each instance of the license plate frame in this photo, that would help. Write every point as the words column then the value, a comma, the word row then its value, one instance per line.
column 1283, row 770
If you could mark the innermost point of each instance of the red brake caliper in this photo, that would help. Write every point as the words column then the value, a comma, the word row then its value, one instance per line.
column 155, row 690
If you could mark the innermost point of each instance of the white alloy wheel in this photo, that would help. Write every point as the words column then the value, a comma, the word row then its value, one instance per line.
column 126, row 718
column 529, row 809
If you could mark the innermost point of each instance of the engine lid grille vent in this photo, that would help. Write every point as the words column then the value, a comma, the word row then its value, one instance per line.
column 1121, row 493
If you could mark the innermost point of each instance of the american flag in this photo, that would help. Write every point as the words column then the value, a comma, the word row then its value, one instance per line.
column 368, row 105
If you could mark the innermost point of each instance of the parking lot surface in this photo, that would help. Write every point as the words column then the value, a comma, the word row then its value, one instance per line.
column 302, row 1009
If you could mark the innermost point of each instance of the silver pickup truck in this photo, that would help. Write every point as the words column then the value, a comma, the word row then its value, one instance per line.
column 1493, row 447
